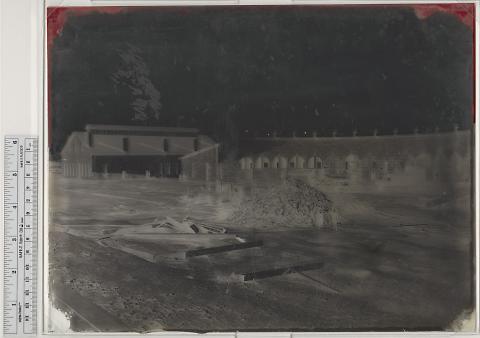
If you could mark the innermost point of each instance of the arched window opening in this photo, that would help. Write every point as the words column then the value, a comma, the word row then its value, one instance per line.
column 125, row 144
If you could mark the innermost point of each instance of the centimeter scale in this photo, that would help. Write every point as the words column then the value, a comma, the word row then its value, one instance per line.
column 20, row 235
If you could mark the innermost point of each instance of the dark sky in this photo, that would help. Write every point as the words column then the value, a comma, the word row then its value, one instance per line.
column 227, row 70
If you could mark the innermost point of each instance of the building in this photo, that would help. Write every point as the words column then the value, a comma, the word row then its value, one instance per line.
column 140, row 150
column 202, row 164
column 401, row 158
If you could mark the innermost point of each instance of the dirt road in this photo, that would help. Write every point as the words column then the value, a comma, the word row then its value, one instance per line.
column 373, row 276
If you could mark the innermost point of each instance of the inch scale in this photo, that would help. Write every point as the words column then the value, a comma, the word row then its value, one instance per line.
column 20, row 235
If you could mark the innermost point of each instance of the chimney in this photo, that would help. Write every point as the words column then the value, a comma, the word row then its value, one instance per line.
column 375, row 132
column 355, row 132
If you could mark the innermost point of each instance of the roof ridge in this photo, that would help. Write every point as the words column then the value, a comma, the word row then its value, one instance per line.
column 89, row 127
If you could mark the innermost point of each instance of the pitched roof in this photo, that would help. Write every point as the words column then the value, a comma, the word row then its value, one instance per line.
column 77, row 146
column 363, row 146
column 128, row 129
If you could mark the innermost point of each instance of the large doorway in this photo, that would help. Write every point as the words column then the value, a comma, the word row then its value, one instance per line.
column 159, row 166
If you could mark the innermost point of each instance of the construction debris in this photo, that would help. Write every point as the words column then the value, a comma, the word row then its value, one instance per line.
column 223, row 248
column 169, row 225
column 204, row 228
column 173, row 225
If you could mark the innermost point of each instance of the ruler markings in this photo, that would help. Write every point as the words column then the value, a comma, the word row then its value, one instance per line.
column 20, row 222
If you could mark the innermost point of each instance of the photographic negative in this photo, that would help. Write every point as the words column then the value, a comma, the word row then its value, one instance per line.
column 261, row 168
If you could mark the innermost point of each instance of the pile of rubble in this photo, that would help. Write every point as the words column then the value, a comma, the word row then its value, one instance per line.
column 292, row 204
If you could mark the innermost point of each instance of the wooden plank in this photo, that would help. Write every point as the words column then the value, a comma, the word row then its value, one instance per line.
column 281, row 271
column 223, row 248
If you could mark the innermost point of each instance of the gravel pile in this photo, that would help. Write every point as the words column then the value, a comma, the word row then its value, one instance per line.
column 292, row 204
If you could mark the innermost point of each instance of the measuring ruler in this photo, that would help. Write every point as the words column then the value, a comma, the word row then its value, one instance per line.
column 20, row 235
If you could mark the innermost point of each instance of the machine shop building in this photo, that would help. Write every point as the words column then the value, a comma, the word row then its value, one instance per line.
column 140, row 150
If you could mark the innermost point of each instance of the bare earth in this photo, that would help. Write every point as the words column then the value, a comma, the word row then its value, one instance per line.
column 397, row 262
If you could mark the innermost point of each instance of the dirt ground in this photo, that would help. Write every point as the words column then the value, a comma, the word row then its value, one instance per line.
column 397, row 262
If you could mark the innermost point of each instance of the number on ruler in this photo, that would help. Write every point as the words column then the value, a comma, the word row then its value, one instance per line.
column 20, row 220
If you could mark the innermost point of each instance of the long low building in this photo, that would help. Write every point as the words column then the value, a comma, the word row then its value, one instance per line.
column 437, row 156
column 157, row 151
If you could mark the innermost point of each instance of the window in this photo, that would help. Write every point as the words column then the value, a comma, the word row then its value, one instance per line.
column 391, row 167
column 165, row 145
column 292, row 164
column 278, row 164
column 195, row 144
column 319, row 165
column 90, row 139
column 265, row 164
column 346, row 165
column 125, row 144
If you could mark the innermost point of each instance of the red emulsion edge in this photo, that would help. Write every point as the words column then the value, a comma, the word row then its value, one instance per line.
column 58, row 16
column 465, row 12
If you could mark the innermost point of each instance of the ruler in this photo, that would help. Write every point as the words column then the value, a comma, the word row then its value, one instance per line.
column 20, row 235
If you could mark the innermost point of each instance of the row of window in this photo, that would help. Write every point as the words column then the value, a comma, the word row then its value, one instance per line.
column 126, row 144
column 317, row 165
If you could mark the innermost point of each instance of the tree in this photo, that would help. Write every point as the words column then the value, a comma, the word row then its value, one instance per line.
column 134, row 74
